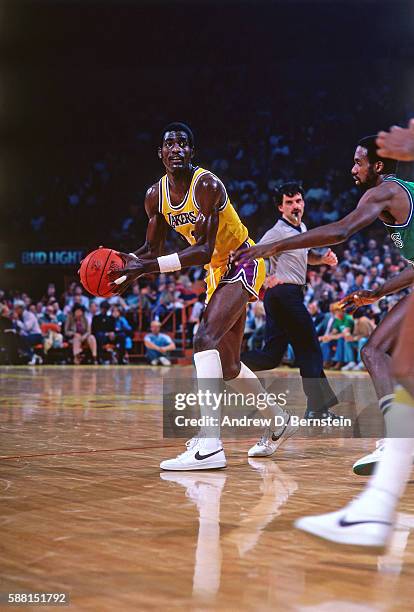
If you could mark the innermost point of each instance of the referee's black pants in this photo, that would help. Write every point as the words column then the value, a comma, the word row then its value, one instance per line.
column 289, row 322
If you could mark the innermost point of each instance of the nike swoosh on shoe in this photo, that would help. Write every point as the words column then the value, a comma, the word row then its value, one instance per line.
column 201, row 457
column 344, row 523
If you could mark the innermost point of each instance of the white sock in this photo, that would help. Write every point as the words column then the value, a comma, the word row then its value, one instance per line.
column 382, row 494
column 247, row 382
column 210, row 378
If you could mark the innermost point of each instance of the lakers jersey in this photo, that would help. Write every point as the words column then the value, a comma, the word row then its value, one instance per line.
column 181, row 217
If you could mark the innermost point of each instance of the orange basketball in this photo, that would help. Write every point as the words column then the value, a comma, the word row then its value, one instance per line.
column 94, row 270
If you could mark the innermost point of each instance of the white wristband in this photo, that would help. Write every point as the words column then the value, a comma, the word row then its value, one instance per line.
column 169, row 263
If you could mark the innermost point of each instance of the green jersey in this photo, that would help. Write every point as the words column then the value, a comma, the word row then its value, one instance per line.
column 403, row 235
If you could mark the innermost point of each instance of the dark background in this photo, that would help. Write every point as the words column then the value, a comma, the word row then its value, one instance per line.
column 83, row 82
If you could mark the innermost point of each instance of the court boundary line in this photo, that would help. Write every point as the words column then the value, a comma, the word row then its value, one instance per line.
column 88, row 452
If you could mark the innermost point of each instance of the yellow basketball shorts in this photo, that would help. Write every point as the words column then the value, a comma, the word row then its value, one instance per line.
column 251, row 275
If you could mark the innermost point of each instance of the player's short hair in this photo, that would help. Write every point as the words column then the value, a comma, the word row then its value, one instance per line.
column 290, row 189
column 369, row 143
column 177, row 126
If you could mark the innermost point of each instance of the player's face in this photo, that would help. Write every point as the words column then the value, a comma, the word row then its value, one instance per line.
column 176, row 152
column 364, row 173
column 292, row 208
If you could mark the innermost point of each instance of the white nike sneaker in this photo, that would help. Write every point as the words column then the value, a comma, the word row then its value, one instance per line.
column 270, row 441
column 200, row 454
column 346, row 527
column 365, row 466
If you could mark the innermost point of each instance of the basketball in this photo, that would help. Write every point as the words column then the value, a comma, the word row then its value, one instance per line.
column 94, row 270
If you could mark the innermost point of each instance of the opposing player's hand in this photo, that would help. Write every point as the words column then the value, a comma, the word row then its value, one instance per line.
column 350, row 303
column 329, row 259
column 398, row 143
column 243, row 256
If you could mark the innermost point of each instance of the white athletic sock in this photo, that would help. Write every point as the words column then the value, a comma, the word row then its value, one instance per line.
column 210, row 379
column 382, row 494
column 247, row 382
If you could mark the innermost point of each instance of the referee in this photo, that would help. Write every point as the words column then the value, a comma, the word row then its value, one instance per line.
column 287, row 319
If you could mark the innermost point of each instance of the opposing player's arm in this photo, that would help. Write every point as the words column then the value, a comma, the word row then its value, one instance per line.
column 364, row 297
column 371, row 205
column 210, row 195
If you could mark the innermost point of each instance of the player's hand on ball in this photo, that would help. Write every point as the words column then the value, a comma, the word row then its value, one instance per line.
column 330, row 259
column 122, row 279
column 350, row 303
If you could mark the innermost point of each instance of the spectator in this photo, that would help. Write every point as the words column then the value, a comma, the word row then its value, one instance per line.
column 158, row 345
column 318, row 317
column 78, row 298
column 256, row 320
column 51, row 329
column 29, row 331
column 78, row 332
column 362, row 330
column 334, row 346
column 103, row 328
column 123, row 332
column 93, row 310
column 196, row 313
column 8, row 337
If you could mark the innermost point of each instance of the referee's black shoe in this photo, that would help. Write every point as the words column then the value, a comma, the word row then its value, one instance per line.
column 316, row 414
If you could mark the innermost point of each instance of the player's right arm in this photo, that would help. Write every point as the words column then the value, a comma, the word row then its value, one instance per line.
column 369, row 208
column 363, row 297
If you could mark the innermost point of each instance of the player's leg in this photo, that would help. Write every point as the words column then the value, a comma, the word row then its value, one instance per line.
column 376, row 352
column 225, row 308
column 308, row 354
column 238, row 375
column 368, row 520
column 376, row 355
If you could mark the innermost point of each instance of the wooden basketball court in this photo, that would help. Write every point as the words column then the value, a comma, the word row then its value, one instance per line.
column 86, row 511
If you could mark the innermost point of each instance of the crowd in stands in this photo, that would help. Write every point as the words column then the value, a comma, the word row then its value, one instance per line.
column 98, row 330
column 95, row 329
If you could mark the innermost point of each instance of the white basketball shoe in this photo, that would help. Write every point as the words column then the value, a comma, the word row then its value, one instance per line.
column 365, row 466
column 350, row 526
column 270, row 441
column 200, row 454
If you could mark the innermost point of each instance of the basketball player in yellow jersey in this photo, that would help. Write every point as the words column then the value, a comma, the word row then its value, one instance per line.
column 194, row 203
